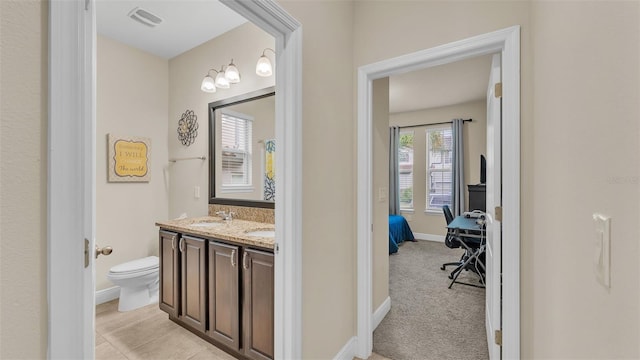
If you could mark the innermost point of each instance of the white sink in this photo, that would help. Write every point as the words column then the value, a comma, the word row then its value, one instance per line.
column 262, row 233
column 207, row 224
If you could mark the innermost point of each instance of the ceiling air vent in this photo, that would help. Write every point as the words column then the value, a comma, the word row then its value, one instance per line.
column 145, row 17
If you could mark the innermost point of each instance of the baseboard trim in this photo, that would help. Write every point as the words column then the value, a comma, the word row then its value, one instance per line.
column 348, row 351
column 381, row 312
column 108, row 294
column 429, row 237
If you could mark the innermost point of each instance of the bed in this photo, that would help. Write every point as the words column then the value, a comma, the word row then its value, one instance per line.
column 399, row 231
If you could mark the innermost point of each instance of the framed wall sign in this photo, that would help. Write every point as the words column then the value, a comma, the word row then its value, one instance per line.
column 129, row 158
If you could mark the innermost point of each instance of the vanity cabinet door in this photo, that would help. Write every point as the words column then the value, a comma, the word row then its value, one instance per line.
column 258, row 287
column 193, row 282
column 169, row 274
column 224, row 294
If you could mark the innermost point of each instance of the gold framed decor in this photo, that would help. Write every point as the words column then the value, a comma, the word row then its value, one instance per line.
column 128, row 158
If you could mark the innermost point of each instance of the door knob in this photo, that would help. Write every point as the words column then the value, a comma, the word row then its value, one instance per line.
column 104, row 251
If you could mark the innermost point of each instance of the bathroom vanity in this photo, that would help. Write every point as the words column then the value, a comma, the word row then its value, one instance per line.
column 216, row 280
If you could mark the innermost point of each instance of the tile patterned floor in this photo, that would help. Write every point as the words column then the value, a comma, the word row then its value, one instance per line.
column 147, row 333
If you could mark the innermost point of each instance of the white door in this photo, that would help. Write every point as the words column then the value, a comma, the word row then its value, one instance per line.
column 494, row 198
column 71, row 180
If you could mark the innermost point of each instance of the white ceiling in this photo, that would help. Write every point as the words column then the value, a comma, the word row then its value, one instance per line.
column 438, row 86
column 187, row 24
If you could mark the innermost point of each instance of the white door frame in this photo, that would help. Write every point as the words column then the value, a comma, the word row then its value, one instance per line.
column 71, row 175
column 506, row 42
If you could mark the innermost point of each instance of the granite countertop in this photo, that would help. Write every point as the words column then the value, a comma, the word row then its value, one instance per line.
column 235, row 230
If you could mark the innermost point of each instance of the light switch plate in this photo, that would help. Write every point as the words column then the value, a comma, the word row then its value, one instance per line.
column 196, row 192
column 382, row 194
column 602, row 254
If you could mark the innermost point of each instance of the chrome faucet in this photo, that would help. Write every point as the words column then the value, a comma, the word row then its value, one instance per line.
column 226, row 216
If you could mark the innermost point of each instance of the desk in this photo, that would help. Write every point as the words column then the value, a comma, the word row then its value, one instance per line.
column 472, row 238
column 468, row 225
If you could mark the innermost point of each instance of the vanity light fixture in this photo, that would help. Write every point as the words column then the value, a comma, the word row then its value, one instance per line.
column 232, row 74
column 263, row 67
column 222, row 80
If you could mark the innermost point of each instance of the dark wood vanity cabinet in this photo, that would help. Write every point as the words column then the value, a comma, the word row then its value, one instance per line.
column 224, row 295
column 169, row 276
column 193, row 282
column 258, row 286
column 223, row 292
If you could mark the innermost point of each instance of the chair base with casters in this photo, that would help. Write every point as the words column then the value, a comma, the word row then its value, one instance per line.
column 470, row 238
column 471, row 260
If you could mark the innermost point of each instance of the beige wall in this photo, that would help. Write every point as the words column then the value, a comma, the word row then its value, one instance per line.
column 328, row 180
column 585, row 58
column 380, row 182
column 132, row 94
column 263, row 112
column 585, row 106
column 23, row 179
column 244, row 44
column 586, row 159
column 475, row 143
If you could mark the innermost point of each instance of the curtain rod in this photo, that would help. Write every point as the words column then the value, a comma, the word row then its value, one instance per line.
column 440, row 123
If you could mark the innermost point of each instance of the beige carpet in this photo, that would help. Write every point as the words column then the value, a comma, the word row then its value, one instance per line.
column 427, row 320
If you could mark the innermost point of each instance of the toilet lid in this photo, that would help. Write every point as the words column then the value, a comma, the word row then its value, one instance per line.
column 150, row 262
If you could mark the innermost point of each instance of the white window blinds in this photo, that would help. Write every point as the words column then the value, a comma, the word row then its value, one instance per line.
column 236, row 143
column 439, row 159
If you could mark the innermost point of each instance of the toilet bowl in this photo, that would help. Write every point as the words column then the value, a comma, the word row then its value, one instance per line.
column 138, row 281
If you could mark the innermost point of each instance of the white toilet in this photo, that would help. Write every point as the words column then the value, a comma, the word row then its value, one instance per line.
column 138, row 281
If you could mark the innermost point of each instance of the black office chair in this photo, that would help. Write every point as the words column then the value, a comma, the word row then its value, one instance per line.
column 451, row 242
column 469, row 245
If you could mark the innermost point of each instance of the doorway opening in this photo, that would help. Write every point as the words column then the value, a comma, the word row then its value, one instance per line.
column 507, row 43
column 423, row 104
column 71, row 180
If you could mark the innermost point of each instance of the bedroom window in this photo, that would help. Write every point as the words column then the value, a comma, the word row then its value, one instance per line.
column 405, row 170
column 236, row 131
column 439, row 158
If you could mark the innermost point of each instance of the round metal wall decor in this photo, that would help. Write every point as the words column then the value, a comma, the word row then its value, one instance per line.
column 188, row 128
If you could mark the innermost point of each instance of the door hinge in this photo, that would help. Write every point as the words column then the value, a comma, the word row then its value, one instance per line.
column 497, row 91
column 498, row 212
column 276, row 248
column 86, row 253
column 498, row 337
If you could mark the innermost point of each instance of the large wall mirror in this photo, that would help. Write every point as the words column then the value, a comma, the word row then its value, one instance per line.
column 242, row 150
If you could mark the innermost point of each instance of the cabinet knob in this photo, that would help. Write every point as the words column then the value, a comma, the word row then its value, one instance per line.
column 107, row 250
